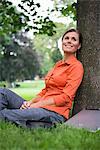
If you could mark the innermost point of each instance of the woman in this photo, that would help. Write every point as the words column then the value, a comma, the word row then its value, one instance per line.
column 54, row 102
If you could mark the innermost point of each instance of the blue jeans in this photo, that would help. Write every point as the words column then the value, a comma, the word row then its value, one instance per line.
column 32, row 118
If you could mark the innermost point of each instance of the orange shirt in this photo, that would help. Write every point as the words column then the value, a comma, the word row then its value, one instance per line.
column 61, row 83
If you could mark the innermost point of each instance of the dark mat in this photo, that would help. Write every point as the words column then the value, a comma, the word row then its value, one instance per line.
column 89, row 119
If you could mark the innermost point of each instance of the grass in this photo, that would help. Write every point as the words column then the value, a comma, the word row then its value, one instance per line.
column 60, row 138
column 29, row 89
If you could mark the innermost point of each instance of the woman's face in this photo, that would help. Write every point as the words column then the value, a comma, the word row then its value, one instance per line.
column 70, row 42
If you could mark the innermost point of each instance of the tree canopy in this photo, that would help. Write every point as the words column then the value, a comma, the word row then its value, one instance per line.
column 29, row 13
column 20, row 61
column 11, row 20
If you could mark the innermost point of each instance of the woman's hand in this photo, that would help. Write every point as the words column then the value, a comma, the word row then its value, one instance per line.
column 38, row 104
column 26, row 105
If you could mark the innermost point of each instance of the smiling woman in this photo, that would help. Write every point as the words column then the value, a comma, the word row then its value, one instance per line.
column 71, row 42
column 53, row 103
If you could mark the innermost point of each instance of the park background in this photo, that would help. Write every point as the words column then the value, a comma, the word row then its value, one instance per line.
column 29, row 47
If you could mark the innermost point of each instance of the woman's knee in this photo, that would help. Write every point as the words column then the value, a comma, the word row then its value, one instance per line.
column 3, row 90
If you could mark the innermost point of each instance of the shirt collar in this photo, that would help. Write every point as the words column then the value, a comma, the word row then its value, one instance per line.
column 71, row 60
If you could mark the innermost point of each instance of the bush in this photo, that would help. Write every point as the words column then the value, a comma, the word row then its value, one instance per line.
column 2, row 84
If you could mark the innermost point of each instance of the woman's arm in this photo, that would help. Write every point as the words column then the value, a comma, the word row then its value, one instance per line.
column 42, row 103
column 36, row 103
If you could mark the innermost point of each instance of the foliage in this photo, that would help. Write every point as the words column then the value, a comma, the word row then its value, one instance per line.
column 47, row 26
column 56, row 55
column 14, row 57
column 41, row 24
column 67, row 8
column 11, row 20
column 18, row 59
column 70, row 10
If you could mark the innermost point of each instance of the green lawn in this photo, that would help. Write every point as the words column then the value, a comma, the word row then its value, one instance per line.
column 60, row 138
column 29, row 89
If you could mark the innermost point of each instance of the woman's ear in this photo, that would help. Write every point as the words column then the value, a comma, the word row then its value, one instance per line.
column 79, row 46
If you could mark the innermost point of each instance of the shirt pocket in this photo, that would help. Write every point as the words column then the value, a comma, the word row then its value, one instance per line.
column 60, row 79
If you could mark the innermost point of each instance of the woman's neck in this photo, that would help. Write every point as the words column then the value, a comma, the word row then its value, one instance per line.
column 67, row 56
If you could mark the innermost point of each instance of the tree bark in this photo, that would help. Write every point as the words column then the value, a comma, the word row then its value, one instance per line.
column 88, row 22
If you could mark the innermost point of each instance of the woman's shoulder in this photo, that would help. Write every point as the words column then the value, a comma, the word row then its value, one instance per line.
column 58, row 62
column 78, row 66
column 79, row 63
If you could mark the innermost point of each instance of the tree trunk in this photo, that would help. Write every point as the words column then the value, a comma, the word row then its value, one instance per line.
column 88, row 16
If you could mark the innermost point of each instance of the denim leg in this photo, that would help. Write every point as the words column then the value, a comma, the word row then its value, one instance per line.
column 9, row 110
column 9, row 99
column 27, row 117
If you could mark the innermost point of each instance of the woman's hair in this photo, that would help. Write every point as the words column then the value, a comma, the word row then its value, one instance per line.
column 74, row 30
